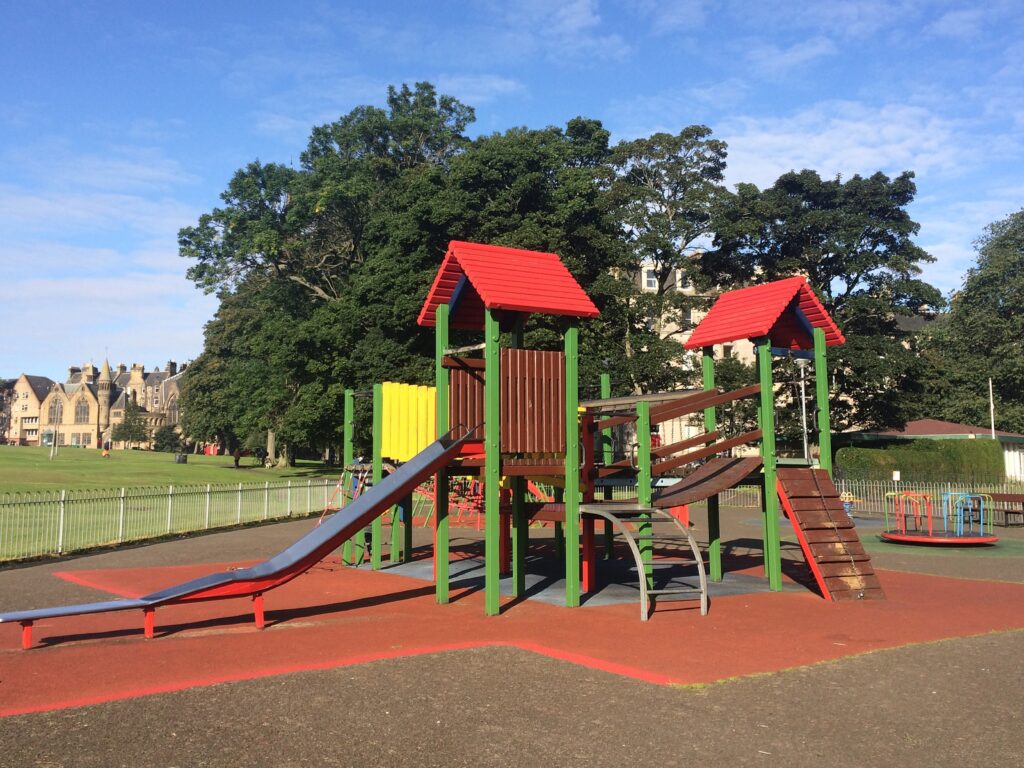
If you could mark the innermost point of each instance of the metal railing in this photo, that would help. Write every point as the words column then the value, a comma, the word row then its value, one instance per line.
column 42, row 524
column 869, row 496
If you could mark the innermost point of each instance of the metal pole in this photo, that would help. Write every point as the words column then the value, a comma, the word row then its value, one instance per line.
column 714, row 517
column 266, row 499
column 376, row 528
column 572, row 465
column 207, row 515
column 772, row 546
column 170, row 501
column 802, row 365
column 492, row 465
column 238, row 516
column 60, row 525
column 991, row 408
column 120, row 518
column 441, row 522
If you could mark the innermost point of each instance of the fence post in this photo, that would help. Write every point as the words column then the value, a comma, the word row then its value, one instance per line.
column 309, row 490
column 238, row 514
column 266, row 499
column 60, row 525
column 289, row 504
column 207, row 516
column 170, row 501
column 120, row 518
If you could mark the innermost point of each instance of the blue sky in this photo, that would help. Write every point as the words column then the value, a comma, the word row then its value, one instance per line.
column 122, row 122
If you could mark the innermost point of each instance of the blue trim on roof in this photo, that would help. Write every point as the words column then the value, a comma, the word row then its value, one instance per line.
column 458, row 294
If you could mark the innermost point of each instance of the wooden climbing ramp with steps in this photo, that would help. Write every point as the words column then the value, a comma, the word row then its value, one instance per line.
column 827, row 535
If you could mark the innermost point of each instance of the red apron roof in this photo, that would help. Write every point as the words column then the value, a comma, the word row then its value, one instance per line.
column 474, row 276
column 784, row 310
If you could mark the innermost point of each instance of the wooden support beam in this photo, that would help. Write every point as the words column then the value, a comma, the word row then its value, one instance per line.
column 702, row 439
column 687, row 458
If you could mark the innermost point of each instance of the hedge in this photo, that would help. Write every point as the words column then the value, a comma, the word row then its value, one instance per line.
column 926, row 461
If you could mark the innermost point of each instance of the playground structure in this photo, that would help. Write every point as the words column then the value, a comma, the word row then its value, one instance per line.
column 514, row 414
column 913, row 519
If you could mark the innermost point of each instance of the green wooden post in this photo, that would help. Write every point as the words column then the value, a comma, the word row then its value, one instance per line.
column 772, row 548
column 441, row 540
column 347, row 457
column 608, row 457
column 377, row 530
column 520, row 525
column 572, row 466
column 710, row 424
column 643, row 485
column 492, row 465
column 821, row 396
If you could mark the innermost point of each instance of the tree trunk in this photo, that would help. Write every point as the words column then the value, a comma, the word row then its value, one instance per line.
column 271, row 447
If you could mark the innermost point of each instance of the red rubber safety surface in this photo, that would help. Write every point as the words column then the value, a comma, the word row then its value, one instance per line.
column 334, row 616
column 937, row 541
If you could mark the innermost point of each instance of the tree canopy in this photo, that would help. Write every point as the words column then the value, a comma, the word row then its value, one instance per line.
column 853, row 241
column 983, row 336
column 321, row 269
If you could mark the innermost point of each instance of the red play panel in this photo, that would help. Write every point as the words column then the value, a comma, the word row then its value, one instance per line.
column 334, row 616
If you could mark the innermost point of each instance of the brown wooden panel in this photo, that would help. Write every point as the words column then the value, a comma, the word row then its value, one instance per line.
column 688, row 458
column 466, row 400
column 532, row 401
column 831, row 551
column 847, row 569
column 474, row 363
column 841, row 583
column 810, row 503
column 707, row 480
column 812, row 518
column 818, row 535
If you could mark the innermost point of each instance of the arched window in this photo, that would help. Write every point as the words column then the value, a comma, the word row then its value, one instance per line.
column 56, row 411
column 82, row 411
column 172, row 411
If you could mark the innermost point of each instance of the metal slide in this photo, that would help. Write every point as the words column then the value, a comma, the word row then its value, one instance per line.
column 283, row 567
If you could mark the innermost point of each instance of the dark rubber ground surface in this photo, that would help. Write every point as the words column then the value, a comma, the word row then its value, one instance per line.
column 952, row 702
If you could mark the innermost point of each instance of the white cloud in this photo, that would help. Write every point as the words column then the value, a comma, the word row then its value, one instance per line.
column 674, row 16
column 771, row 60
column 841, row 137
column 564, row 31
column 964, row 25
column 478, row 89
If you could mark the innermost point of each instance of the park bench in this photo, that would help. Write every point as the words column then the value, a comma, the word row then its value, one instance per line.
column 1011, row 505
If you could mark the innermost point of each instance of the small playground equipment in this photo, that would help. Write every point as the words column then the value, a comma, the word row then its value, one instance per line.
column 913, row 519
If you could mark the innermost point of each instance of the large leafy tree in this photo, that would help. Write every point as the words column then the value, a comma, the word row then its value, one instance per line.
column 853, row 241
column 133, row 428
column 662, row 191
column 982, row 336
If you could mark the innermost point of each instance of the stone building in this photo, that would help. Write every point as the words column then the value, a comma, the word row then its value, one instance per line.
column 83, row 410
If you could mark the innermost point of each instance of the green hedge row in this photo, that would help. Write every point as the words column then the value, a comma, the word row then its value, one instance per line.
column 926, row 461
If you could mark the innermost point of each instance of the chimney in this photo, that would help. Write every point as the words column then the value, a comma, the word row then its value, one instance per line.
column 121, row 368
column 72, row 372
column 172, row 368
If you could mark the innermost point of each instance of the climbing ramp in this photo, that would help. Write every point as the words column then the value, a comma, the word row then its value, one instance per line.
column 827, row 535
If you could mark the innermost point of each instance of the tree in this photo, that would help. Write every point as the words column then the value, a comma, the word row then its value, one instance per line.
column 663, row 191
column 983, row 335
column 853, row 242
column 166, row 439
column 133, row 429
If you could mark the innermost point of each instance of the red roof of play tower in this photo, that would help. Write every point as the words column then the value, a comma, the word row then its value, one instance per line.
column 783, row 310
column 496, row 277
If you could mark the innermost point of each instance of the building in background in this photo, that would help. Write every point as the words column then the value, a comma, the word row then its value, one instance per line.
column 83, row 410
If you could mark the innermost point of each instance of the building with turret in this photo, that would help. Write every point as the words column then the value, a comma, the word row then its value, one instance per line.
column 84, row 409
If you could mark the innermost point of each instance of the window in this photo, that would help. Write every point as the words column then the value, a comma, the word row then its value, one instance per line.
column 682, row 280
column 56, row 411
column 24, row 407
column 172, row 411
column 650, row 280
column 82, row 412
column 31, row 432
column 727, row 350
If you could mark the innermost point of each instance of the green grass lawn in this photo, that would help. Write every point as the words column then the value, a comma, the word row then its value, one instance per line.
column 31, row 469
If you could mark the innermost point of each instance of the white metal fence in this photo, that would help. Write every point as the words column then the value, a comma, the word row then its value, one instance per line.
column 869, row 496
column 55, row 523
